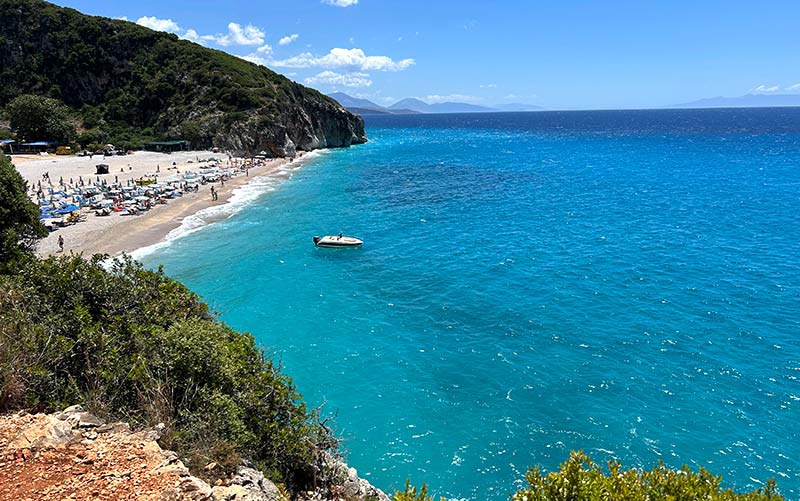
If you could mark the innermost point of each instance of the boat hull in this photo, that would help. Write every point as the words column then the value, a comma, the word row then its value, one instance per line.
column 331, row 242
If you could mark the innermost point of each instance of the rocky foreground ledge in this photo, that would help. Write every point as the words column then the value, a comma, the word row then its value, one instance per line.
column 73, row 455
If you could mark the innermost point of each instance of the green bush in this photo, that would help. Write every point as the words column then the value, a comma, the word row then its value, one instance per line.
column 92, row 136
column 134, row 345
column 580, row 479
column 20, row 227
column 409, row 493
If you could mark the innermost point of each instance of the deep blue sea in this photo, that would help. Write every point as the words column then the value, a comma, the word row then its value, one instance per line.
column 622, row 282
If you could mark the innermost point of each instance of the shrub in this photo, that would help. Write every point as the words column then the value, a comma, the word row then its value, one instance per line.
column 409, row 493
column 580, row 479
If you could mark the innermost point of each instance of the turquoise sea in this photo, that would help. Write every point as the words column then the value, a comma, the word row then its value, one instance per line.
column 626, row 283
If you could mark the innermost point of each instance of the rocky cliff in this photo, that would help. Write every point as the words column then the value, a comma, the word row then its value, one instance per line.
column 127, row 83
column 74, row 455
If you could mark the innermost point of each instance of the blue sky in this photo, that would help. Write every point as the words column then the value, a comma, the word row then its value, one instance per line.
column 567, row 54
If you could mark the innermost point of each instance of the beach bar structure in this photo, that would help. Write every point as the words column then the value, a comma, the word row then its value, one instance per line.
column 36, row 147
column 7, row 144
column 166, row 146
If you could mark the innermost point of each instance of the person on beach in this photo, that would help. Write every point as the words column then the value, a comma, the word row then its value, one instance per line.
column 61, row 243
column 213, row 194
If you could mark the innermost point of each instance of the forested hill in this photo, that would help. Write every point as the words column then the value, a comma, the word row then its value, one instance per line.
column 129, row 83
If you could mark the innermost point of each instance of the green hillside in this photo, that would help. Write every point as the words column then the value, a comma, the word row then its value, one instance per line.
column 126, row 82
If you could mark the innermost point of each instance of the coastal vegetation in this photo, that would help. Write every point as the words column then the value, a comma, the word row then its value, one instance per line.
column 128, row 84
column 579, row 478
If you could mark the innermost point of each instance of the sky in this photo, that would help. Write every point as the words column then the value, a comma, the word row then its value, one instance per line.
column 566, row 54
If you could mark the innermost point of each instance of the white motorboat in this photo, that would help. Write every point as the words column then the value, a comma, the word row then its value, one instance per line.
column 337, row 241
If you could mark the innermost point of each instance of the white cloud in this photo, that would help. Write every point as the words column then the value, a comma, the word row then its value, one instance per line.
column 340, row 3
column 333, row 78
column 488, row 86
column 794, row 88
column 193, row 36
column 122, row 18
column 260, row 56
column 255, row 58
column 157, row 24
column 348, row 59
column 763, row 89
column 237, row 35
column 288, row 39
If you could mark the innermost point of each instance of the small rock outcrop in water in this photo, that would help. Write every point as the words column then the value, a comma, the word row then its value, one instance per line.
column 74, row 455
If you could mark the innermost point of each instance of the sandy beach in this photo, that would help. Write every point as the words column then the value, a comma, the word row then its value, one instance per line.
column 116, row 234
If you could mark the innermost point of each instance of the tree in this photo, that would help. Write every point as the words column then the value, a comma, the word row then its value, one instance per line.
column 39, row 118
column 20, row 227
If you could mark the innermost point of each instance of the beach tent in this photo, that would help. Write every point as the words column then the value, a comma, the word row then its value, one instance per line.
column 102, row 168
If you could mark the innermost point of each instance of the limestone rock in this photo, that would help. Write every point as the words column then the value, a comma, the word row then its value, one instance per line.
column 43, row 433
column 247, row 484
column 354, row 487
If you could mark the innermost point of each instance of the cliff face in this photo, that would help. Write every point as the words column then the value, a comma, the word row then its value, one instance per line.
column 309, row 123
column 129, row 81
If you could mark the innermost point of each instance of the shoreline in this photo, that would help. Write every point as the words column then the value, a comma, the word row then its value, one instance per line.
column 115, row 234
column 155, row 226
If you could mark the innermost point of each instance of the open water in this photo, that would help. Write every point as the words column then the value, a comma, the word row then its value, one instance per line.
column 622, row 282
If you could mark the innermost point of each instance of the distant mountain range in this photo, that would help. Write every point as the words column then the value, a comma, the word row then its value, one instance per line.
column 746, row 101
column 411, row 105
column 365, row 106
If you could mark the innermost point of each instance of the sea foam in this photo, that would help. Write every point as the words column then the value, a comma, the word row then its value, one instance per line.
column 241, row 197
